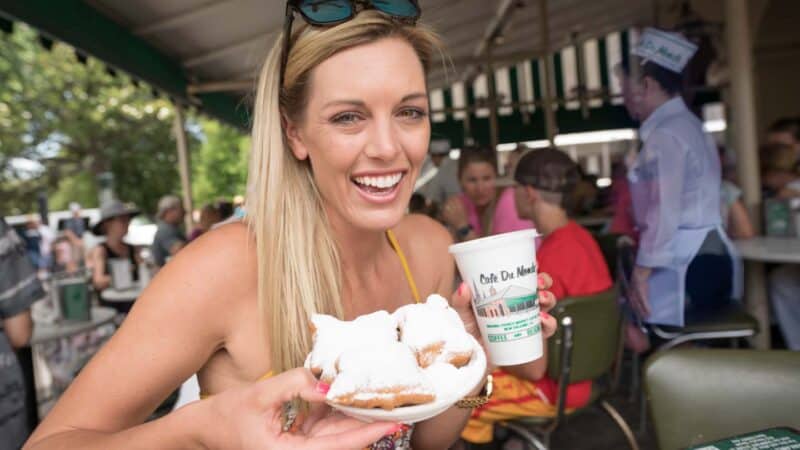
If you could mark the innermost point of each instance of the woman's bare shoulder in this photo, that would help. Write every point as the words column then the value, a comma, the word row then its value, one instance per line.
column 425, row 243
column 215, row 271
column 418, row 228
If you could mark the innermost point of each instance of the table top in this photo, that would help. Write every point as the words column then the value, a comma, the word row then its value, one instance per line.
column 43, row 332
column 771, row 439
column 770, row 249
column 121, row 295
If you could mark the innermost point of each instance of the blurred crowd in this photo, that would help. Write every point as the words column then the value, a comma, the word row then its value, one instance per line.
column 81, row 242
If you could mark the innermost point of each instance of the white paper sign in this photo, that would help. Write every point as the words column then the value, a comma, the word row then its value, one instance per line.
column 669, row 50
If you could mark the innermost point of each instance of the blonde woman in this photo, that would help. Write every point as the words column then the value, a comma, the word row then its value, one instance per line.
column 340, row 132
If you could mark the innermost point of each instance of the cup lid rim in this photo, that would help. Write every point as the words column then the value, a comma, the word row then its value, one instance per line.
column 482, row 243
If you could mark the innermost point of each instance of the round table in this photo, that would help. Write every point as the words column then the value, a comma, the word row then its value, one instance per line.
column 121, row 295
column 120, row 299
column 770, row 249
column 44, row 332
column 756, row 252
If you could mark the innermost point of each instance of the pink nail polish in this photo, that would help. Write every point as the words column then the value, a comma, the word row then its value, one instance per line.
column 461, row 289
column 397, row 427
column 545, row 315
column 322, row 388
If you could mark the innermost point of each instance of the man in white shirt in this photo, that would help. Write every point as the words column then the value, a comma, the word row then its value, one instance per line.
column 683, row 262
column 445, row 183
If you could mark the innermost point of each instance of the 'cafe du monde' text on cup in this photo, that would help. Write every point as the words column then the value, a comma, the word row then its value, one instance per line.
column 502, row 275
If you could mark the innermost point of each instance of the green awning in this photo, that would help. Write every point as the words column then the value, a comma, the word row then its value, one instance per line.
column 81, row 26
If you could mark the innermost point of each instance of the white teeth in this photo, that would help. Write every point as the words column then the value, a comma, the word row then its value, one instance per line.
column 382, row 182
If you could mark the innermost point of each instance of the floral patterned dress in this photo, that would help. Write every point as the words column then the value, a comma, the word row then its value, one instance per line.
column 400, row 440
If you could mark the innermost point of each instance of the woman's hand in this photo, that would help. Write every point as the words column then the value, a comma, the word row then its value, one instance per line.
column 454, row 214
column 462, row 298
column 251, row 417
column 637, row 296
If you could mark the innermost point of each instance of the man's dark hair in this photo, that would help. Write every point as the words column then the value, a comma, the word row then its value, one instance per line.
column 224, row 207
column 786, row 125
column 670, row 82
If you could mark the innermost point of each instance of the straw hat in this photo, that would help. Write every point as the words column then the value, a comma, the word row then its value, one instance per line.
column 111, row 210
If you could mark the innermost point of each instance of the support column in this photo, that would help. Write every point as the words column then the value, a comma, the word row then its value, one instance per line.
column 744, row 140
column 742, row 104
column 549, row 113
column 494, row 134
column 183, row 165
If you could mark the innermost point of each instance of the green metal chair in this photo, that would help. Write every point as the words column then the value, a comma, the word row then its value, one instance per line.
column 609, row 244
column 585, row 347
column 701, row 395
column 731, row 324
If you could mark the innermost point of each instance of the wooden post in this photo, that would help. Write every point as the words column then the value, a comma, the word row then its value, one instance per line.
column 494, row 134
column 183, row 165
column 744, row 135
column 549, row 113
column 742, row 104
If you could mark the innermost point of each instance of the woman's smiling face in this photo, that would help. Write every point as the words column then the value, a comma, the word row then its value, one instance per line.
column 365, row 131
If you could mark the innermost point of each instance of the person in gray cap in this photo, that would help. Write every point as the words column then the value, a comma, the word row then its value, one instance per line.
column 445, row 183
column 74, row 226
column 115, row 217
column 169, row 238
column 544, row 180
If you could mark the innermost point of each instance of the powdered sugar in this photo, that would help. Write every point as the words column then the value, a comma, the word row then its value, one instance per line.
column 433, row 323
column 444, row 378
column 333, row 337
column 372, row 370
column 366, row 361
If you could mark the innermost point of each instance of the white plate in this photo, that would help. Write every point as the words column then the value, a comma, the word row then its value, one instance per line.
column 471, row 376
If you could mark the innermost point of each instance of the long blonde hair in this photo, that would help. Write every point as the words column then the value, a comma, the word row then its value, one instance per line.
column 297, row 256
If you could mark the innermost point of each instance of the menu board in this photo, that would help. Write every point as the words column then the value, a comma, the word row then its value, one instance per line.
column 771, row 439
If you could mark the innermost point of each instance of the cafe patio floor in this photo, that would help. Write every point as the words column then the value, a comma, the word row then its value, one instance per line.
column 593, row 429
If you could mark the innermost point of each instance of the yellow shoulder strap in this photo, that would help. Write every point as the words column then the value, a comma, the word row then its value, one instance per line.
column 404, row 263
column 266, row 376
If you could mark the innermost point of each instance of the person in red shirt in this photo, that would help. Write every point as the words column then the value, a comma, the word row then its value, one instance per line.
column 545, row 178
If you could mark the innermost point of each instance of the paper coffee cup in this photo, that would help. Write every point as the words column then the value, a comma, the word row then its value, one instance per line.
column 501, row 272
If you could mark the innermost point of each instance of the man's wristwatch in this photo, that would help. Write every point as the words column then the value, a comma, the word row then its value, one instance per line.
column 478, row 400
column 463, row 231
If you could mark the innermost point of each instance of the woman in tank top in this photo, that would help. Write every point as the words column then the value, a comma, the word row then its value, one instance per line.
column 113, row 224
column 340, row 132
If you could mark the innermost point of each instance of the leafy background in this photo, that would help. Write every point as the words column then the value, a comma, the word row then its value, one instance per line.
column 65, row 119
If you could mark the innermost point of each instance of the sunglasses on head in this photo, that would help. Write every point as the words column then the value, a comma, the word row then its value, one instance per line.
column 323, row 13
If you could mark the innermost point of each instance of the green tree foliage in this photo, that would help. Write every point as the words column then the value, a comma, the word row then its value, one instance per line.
column 78, row 120
column 219, row 166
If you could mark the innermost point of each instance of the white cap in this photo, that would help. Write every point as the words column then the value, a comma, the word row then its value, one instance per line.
column 669, row 50
column 440, row 147
column 74, row 206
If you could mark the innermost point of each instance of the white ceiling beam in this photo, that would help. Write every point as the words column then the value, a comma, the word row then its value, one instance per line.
column 211, row 7
column 494, row 29
column 221, row 86
column 217, row 53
